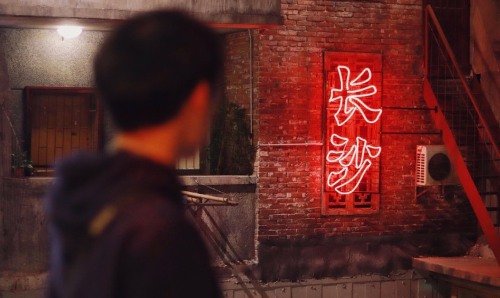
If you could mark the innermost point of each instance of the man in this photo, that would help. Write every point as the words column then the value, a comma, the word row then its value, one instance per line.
column 117, row 222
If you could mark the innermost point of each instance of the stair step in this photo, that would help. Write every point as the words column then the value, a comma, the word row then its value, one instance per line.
column 489, row 143
column 486, row 175
column 463, row 129
column 486, row 160
column 481, row 166
column 481, row 176
column 489, row 193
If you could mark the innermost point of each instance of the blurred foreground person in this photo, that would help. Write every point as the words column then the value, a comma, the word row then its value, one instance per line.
column 117, row 223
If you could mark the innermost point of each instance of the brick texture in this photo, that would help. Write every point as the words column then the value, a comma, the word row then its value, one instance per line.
column 288, row 62
column 237, row 68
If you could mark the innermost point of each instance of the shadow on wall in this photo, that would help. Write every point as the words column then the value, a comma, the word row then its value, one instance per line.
column 229, row 231
column 25, row 235
column 350, row 256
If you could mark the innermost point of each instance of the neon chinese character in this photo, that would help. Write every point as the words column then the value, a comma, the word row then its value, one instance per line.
column 351, row 96
column 356, row 157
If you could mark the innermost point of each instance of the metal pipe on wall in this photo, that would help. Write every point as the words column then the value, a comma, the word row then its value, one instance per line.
column 250, row 43
column 290, row 144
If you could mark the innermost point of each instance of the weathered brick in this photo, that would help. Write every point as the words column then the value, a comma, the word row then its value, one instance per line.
column 288, row 78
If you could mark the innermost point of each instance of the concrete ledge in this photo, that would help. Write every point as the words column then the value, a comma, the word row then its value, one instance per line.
column 403, row 284
column 186, row 180
column 22, row 281
column 218, row 180
column 102, row 14
column 479, row 270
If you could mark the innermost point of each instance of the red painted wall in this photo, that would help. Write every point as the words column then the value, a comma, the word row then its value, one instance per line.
column 288, row 65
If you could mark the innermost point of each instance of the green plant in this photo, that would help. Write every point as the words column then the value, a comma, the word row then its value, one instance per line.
column 231, row 151
column 20, row 161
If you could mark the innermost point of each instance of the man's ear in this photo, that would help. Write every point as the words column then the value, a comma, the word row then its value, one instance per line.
column 199, row 98
column 194, row 119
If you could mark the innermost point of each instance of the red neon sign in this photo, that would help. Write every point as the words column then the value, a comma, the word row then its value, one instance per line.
column 350, row 94
column 347, row 156
column 348, row 97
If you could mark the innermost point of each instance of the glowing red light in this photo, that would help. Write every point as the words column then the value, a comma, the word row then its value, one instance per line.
column 351, row 161
column 346, row 157
column 348, row 105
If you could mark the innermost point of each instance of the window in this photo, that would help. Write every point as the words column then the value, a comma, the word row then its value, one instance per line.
column 61, row 120
column 352, row 133
column 57, row 122
column 230, row 151
column 191, row 165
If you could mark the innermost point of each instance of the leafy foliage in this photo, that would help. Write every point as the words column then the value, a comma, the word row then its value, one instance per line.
column 231, row 151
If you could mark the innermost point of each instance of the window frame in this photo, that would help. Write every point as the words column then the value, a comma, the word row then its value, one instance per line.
column 347, row 204
column 29, row 96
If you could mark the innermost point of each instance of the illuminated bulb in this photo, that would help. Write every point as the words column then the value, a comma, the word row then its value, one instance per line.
column 68, row 32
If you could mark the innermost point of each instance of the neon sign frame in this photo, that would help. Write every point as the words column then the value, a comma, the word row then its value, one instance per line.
column 352, row 135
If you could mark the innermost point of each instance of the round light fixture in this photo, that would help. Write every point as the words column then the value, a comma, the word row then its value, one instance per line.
column 68, row 32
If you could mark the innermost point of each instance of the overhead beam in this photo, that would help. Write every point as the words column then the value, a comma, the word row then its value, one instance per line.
column 103, row 15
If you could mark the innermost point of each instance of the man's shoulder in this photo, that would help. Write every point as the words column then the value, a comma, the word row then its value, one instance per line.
column 152, row 217
column 155, row 210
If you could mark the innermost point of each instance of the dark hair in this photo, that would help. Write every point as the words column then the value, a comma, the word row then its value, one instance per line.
column 147, row 68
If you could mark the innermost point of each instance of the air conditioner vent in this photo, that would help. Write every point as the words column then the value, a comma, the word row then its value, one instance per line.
column 434, row 166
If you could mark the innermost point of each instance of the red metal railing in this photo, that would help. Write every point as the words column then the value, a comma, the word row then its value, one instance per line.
column 470, row 142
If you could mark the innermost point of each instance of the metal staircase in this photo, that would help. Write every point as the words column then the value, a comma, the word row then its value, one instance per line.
column 471, row 139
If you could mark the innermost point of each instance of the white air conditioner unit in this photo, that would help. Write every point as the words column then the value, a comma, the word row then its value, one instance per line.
column 434, row 166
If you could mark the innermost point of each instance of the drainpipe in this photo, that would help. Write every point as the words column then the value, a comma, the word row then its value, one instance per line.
column 250, row 42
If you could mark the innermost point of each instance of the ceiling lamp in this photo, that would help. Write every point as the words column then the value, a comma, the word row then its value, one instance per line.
column 68, row 32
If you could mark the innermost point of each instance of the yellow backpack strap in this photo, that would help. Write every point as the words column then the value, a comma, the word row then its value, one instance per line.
column 99, row 223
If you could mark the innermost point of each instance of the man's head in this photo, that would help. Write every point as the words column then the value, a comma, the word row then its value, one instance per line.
column 149, row 67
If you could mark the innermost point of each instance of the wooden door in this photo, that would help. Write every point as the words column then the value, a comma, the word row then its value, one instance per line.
column 59, row 121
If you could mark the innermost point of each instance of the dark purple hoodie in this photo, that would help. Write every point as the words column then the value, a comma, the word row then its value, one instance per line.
column 148, row 248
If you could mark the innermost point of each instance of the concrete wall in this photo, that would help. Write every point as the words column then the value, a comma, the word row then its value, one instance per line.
column 404, row 284
column 229, row 230
column 43, row 58
column 5, row 134
column 4, row 98
column 25, row 239
column 221, row 12
column 39, row 57
column 35, row 57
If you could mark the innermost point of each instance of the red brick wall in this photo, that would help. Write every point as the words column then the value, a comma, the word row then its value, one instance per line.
column 289, row 90
column 237, row 69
